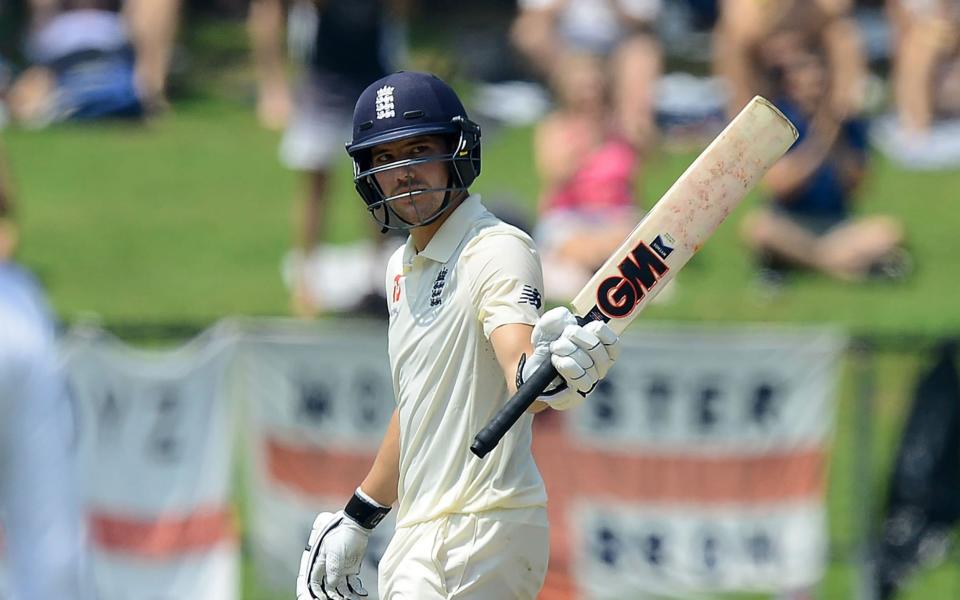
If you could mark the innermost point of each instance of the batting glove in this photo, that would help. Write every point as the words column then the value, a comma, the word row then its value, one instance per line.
column 582, row 355
column 330, row 566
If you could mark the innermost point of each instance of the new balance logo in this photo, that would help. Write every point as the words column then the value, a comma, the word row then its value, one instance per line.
column 531, row 295
column 385, row 107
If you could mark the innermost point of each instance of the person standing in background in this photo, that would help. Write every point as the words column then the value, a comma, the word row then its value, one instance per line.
column 345, row 44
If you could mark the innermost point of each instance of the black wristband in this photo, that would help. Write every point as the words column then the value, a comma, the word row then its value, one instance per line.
column 366, row 515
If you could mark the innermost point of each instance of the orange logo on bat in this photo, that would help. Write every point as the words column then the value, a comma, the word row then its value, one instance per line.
column 618, row 295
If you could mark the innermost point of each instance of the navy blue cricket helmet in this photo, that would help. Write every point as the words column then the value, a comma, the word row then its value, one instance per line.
column 404, row 105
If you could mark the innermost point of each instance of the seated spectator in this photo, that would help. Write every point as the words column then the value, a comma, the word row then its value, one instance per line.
column 588, row 173
column 808, row 221
column 82, row 67
column 619, row 31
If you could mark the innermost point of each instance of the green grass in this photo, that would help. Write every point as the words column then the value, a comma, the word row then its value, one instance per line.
column 186, row 219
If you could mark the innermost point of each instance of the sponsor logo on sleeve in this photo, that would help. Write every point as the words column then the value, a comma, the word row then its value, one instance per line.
column 531, row 295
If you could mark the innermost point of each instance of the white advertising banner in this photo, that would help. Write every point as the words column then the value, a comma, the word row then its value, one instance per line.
column 698, row 467
column 155, row 446
column 318, row 402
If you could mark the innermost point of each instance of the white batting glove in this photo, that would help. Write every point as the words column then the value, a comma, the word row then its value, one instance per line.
column 582, row 355
column 330, row 566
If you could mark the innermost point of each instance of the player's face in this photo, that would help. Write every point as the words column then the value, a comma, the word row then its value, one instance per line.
column 416, row 190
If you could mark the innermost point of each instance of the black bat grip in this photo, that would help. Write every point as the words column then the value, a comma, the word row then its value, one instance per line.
column 490, row 436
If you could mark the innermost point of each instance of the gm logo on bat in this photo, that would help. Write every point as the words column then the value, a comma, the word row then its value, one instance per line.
column 640, row 271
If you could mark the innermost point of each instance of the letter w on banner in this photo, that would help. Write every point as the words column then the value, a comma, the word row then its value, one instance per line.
column 318, row 400
column 155, row 450
column 697, row 467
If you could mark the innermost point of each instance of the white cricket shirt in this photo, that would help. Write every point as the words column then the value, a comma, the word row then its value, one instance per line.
column 476, row 274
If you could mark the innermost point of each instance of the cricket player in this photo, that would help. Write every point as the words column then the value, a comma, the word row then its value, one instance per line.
column 464, row 298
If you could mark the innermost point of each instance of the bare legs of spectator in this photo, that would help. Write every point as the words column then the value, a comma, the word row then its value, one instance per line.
column 313, row 213
column 42, row 11
column 533, row 34
column 923, row 78
column 846, row 252
column 31, row 96
column 591, row 246
column 153, row 28
column 636, row 64
column 265, row 22
column 915, row 62
column 8, row 239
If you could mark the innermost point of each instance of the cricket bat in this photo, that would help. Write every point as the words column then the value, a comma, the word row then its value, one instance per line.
column 666, row 238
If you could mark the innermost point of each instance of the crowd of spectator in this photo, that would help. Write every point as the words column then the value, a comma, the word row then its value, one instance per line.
column 600, row 62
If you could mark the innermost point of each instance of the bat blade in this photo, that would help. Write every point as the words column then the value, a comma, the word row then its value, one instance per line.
column 686, row 215
column 667, row 237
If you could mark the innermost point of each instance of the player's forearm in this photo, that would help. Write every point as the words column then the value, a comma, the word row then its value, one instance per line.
column 511, row 343
column 382, row 481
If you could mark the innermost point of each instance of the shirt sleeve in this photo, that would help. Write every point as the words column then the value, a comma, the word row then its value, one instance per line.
column 504, row 278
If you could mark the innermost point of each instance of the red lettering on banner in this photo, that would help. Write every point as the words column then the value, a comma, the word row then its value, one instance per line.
column 314, row 471
column 575, row 473
column 163, row 536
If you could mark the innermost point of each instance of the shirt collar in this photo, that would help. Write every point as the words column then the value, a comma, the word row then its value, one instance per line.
column 441, row 246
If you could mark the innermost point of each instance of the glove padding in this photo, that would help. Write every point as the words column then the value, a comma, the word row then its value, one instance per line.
column 330, row 566
column 582, row 355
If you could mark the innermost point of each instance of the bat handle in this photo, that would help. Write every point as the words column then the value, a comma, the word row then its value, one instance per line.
column 489, row 436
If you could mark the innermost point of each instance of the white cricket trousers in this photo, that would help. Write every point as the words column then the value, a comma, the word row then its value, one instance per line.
column 496, row 555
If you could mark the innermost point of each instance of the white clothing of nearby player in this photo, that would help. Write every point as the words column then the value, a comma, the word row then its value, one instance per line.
column 39, row 502
column 476, row 274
